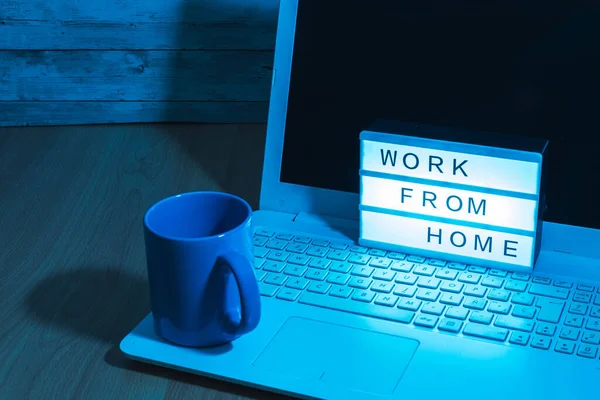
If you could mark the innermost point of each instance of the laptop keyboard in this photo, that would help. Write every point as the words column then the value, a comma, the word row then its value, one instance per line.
column 499, row 306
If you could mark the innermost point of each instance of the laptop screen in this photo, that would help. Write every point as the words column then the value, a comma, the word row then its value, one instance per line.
column 527, row 68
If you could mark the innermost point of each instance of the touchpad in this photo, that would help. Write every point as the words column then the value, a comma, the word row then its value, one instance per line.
column 342, row 356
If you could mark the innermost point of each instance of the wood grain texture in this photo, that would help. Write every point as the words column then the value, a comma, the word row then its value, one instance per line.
column 135, row 75
column 72, row 269
column 17, row 113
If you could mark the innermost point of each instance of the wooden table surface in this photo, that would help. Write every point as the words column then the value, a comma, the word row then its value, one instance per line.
column 72, row 266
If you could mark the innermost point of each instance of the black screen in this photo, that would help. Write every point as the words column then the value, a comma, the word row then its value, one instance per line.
column 529, row 68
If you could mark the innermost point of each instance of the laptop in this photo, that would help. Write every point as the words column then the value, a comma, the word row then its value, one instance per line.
column 343, row 321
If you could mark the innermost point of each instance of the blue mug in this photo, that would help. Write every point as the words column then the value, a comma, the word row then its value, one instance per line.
column 199, row 255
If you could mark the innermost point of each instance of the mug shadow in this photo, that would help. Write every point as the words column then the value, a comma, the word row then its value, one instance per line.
column 104, row 303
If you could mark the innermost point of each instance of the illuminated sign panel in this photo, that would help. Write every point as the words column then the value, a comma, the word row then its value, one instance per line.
column 473, row 202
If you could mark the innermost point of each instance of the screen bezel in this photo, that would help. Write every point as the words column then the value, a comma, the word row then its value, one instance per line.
column 294, row 199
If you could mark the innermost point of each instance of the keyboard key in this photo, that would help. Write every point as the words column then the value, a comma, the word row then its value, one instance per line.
column 578, row 308
column 285, row 236
column 384, row 275
column 499, row 294
column 468, row 277
column 597, row 300
column 433, row 308
column 476, row 269
column 587, row 351
column 341, row 291
column 416, row 259
column 363, row 295
column 593, row 324
column 563, row 284
column 594, row 313
column 264, row 232
column 486, row 332
column 359, row 282
column 481, row 317
column 338, row 279
column 426, row 321
column 363, row 271
column 409, row 304
column 562, row 346
column 402, row 266
column 541, row 342
column 320, row 263
column 379, row 262
column 260, row 252
column 550, row 310
column 317, row 251
column 299, row 259
column 569, row 333
column 318, row 287
column 457, row 312
column 259, row 275
column 382, row 287
column 258, row 263
column 359, row 259
column 475, row 303
column 267, row 290
column 278, row 255
column 524, row 312
column 288, row 294
column 447, row 274
column 585, row 288
column 338, row 255
column 428, row 295
column 357, row 307
column 475, row 291
column 397, row 256
column 541, row 280
column 450, row 325
column 457, row 266
column 302, row 239
column 452, row 287
column 497, row 272
column 388, row 300
column 524, row 299
column 260, row 240
column 276, row 244
column 519, row 338
column 546, row 329
column 358, row 249
column 520, row 276
column 513, row 323
column 295, row 270
column 275, row 279
column 339, row 246
column 405, row 291
column 549, row 291
column 582, row 297
column 451, row 299
column 492, row 281
column 297, row 283
column 574, row 321
column 377, row 252
column 316, row 274
column 406, row 279
column 498, row 307
column 296, row 247
column 320, row 242
column 437, row 263
column 341, row 267
column 429, row 283
column 590, row 337
column 515, row 286
column 424, row 269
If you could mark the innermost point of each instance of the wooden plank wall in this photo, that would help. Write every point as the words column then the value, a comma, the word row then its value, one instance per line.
column 68, row 62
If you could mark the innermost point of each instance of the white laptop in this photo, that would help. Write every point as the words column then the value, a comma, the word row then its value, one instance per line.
column 341, row 321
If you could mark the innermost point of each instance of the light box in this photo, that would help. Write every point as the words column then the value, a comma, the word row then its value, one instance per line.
column 463, row 196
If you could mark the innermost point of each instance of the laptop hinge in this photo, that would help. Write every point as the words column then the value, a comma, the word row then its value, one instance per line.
column 326, row 220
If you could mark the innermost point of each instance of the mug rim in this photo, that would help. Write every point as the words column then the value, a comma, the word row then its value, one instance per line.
column 198, row 193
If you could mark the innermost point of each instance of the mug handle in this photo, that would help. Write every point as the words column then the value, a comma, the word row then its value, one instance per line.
column 243, row 272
